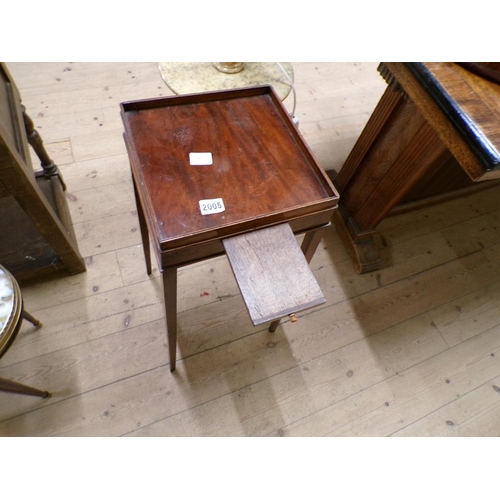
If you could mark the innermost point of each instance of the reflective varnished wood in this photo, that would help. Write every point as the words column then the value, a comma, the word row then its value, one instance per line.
column 463, row 108
column 261, row 168
column 434, row 134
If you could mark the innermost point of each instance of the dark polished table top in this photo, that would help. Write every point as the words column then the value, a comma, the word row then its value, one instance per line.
column 258, row 165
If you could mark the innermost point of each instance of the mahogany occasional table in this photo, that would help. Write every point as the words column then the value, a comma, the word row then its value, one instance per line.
column 228, row 172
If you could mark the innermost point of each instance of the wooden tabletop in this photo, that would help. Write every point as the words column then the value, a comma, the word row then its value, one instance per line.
column 234, row 153
column 462, row 106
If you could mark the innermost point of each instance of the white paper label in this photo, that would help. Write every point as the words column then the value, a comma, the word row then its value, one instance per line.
column 200, row 158
column 214, row 206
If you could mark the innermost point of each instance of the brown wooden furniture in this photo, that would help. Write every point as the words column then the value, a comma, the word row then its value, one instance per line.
column 434, row 134
column 36, row 229
column 273, row 273
column 12, row 313
column 250, row 168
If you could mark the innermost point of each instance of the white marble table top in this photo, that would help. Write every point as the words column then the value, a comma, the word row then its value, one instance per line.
column 6, row 300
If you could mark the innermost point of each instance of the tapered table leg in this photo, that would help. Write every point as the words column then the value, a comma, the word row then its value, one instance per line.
column 311, row 242
column 170, row 292
column 27, row 316
column 18, row 388
column 144, row 229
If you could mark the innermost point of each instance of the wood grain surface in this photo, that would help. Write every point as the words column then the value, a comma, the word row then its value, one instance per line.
column 272, row 273
column 463, row 109
column 261, row 168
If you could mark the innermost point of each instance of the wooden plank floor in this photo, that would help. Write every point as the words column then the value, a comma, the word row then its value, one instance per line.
column 410, row 350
